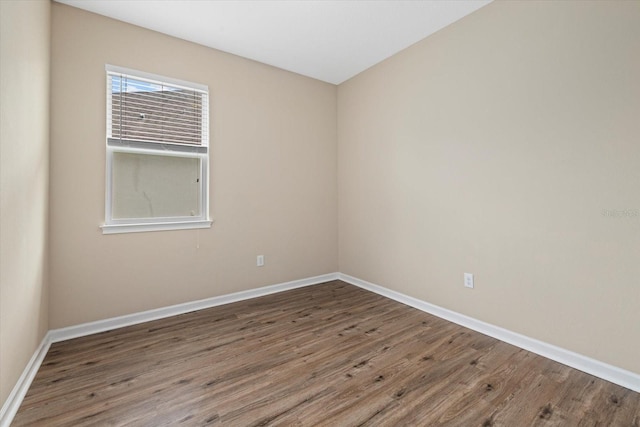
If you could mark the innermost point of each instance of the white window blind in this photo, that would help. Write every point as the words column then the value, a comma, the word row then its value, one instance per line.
column 148, row 110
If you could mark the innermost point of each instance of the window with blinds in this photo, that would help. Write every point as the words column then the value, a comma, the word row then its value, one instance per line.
column 157, row 153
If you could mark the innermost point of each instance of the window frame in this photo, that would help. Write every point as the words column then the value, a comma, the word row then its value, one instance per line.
column 118, row 145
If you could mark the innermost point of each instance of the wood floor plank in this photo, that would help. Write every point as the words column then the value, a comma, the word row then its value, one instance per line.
column 324, row 355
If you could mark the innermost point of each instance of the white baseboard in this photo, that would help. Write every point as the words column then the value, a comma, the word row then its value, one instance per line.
column 14, row 400
column 84, row 329
column 19, row 391
column 616, row 375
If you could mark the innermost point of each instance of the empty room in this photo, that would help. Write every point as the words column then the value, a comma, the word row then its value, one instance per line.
column 319, row 213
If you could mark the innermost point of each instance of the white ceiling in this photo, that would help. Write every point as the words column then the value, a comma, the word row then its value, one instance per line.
column 329, row 40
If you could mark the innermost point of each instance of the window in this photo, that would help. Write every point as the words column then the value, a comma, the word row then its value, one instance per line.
column 157, row 153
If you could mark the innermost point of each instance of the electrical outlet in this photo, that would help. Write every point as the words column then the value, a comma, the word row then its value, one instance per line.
column 260, row 260
column 468, row 280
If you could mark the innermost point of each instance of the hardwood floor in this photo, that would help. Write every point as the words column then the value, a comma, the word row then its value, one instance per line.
column 328, row 355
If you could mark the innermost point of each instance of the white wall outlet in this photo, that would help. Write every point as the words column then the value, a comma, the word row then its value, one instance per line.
column 468, row 280
column 260, row 260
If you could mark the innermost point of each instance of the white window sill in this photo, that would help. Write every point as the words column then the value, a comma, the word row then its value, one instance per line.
column 159, row 226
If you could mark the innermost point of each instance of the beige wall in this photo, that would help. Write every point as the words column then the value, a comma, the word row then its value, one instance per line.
column 273, row 176
column 24, row 169
column 493, row 147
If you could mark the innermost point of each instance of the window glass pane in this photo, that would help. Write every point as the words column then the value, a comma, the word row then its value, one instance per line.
column 155, row 186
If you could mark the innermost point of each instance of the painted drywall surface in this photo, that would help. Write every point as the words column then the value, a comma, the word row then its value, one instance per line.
column 505, row 145
column 273, row 176
column 24, row 170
